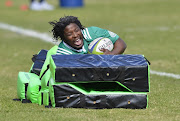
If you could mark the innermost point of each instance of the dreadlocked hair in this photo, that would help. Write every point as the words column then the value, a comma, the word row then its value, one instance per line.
column 59, row 26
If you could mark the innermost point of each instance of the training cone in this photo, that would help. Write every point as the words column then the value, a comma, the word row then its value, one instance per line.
column 24, row 7
column 9, row 3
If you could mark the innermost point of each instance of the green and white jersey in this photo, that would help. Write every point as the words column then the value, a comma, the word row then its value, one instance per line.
column 89, row 34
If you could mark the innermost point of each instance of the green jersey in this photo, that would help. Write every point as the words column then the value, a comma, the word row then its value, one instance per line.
column 89, row 34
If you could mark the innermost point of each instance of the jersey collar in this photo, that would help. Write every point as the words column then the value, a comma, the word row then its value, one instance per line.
column 80, row 50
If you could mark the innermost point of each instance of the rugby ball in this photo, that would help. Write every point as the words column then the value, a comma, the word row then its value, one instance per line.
column 97, row 44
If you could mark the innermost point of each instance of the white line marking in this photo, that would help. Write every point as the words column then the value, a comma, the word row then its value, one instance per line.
column 43, row 36
column 47, row 38
column 176, row 76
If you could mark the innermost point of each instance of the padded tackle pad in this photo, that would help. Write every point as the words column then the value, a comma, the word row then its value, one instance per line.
column 130, row 70
column 39, row 61
column 68, row 97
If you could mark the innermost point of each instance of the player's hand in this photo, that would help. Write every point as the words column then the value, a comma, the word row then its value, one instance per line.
column 106, row 51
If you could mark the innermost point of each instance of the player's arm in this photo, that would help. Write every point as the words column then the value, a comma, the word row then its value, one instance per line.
column 119, row 48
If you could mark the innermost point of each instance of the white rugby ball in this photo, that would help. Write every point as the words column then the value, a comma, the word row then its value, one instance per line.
column 96, row 45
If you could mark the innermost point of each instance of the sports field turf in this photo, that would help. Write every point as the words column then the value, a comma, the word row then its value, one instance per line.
column 149, row 27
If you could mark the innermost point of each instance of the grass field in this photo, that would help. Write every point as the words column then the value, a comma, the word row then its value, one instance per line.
column 149, row 27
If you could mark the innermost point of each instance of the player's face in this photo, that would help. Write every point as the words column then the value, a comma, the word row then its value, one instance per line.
column 73, row 36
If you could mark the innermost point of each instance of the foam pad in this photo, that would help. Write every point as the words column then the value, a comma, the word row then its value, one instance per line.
column 39, row 61
column 33, row 89
column 74, row 96
column 130, row 70
column 22, row 83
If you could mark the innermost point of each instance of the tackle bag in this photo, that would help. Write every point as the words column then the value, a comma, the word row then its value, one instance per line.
column 33, row 89
column 99, row 81
column 132, row 71
column 82, row 95
column 24, row 78
column 38, row 61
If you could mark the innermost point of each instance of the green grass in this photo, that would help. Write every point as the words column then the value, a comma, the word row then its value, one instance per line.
column 137, row 22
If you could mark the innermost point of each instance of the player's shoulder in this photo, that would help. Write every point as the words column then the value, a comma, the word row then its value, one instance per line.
column 91, row 29
column 87, row 32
